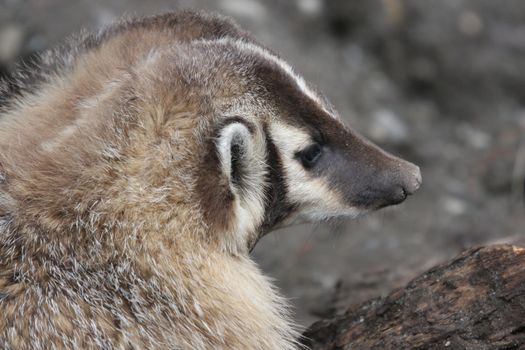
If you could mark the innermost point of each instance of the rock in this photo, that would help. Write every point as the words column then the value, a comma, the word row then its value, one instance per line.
column 11, row 42
column 497, row 177
column 473, row 137
column 502, row 164
column 387, row 128
column 470, row 23
column 250, row 9
column 310, row 7
column 454, row 206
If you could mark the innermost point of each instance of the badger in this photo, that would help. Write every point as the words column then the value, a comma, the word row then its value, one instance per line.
column 139, row 166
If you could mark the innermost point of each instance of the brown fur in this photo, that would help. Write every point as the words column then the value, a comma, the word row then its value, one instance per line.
column 102, row 240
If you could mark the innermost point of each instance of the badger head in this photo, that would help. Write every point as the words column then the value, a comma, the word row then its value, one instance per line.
column 283, row 152
column 183, row 124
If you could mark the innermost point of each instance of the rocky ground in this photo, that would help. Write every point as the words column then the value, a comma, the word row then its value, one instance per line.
column 441, row 83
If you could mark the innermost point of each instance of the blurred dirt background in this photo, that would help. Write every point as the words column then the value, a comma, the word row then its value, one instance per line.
column 441, row 83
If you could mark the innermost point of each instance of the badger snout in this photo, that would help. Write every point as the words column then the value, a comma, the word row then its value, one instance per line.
column 394, row 182
column 399, row 183
column 369, row 178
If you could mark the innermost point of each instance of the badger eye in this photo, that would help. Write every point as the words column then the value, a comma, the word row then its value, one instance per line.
column 310, row 155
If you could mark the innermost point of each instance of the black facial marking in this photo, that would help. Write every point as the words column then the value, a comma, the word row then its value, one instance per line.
column 310, row 155
column 277, row 207
column 297, row 109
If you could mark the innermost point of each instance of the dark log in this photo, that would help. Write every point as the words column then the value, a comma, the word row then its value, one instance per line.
column 475, row 301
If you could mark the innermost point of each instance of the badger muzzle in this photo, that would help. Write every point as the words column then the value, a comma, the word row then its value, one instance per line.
column 367, row 177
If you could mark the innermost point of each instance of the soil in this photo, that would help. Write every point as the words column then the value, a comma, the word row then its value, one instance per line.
column 440, row 83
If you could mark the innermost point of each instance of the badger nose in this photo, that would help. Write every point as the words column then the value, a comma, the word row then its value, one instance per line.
column 404, row 183
column 412, row 179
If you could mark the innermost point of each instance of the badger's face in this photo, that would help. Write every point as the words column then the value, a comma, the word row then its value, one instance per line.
column 215, row 138
column 283, row 153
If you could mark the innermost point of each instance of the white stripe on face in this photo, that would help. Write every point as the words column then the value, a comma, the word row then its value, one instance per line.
column 254, row 49
column 313, row 195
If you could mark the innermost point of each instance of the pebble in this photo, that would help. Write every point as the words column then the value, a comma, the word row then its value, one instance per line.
column 250, row 9
column 475, row 138
column 11, row 41
column 470, row 23
column 454, row 206
column 310, row 7
column 387, row 127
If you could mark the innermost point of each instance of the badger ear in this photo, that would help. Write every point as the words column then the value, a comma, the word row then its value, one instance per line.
column 235, row 149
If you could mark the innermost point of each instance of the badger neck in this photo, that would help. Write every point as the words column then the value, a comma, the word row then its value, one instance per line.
column 231, row 304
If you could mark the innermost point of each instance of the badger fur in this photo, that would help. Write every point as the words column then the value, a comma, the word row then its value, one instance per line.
column 140, row 165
